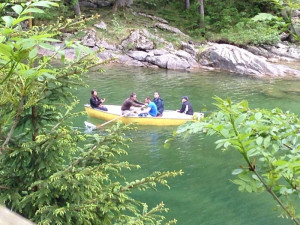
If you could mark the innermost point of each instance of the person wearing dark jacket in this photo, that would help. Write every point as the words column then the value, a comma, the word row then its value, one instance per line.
column 96, row 102
column 186, row 106
column 159, row 104
column 131, row 101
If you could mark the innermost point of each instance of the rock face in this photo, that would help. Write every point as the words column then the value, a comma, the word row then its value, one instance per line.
column 238, row 60
column 140, row 48
column 281, row 51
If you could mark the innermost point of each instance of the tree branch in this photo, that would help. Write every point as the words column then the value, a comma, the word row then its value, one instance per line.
column 17, row 119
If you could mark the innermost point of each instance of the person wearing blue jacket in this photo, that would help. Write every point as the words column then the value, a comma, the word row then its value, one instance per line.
column 159, row 104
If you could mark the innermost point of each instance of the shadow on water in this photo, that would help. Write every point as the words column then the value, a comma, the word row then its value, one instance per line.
column 204, row 194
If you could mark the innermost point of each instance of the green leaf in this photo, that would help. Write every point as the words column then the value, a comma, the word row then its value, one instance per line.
column 32, row 10
column 44, row 4
column 5, row 50
column 33, row 53
column 258, row 115
column 237, row 171
column 240, row 119
column 19, row 20
column 8, row 20
column 280, row 163
column 47, row 46
column 28, row 43
column 259, row 140
column 267, row 141
column 225, row 133
column 264, row 17
column 17, row 8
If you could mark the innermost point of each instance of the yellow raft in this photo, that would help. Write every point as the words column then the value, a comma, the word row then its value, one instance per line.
column 169, row 118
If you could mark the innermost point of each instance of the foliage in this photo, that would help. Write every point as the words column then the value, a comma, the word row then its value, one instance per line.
column 226, row 21
column 50, row 172
column 287, row 9
column 269, row 143
column 250, row 32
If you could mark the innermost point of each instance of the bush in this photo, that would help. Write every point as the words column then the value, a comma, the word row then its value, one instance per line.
column 255, row 33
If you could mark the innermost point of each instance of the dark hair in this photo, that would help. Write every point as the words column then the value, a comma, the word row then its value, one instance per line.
column 148, row 98
column 93, row 91
column 132, row 94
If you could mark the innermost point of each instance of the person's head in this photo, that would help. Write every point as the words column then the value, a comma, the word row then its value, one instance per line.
column 156, row 94
column 94, row 93
column 184, row 98
column 133, row 95
column 147, row 100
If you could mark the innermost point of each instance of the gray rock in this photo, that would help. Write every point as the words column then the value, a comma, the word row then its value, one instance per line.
column 284, row 36
column 154, row 18
column 185, row 55
column 88, row 4
column 90, row 38
column 189, row 48
column 160, row 52
column 104, row 3
column 139, row 40
column 281, row 51
column 138, row 55
column 238, row 60
column 105, row 45
column 176, row 63
column 101, row 25
column 106, row 55
column 125, row 59
column 175, row 30
column 169, row 61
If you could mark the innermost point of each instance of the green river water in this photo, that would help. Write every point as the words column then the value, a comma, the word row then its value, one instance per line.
column 204, row 194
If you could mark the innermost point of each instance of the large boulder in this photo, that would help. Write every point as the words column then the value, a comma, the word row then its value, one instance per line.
column 90, row 38
column 169, row 61
column 138, row 39
column 238, row 60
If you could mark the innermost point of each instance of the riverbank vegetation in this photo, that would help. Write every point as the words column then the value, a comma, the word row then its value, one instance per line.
column 240, row 23
column 50, row 172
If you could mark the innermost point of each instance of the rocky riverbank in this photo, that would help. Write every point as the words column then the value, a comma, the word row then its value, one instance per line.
column 143, row 49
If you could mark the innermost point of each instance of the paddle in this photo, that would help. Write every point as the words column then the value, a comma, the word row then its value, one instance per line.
column 103, row 124
column 94, row 127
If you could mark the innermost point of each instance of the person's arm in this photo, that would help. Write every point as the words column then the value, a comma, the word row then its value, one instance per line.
column 135, row 104
column 138, row 102
column 183, row 107
column 160, row 106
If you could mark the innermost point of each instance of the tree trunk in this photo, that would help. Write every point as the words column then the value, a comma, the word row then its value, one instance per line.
column 34, row 123
column 121, row 4
column 187, row 4
column 77, row 8
column 201, row 12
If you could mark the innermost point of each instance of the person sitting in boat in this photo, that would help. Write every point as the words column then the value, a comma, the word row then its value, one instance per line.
column 186, row 106
column 128, row 103
column 159, row 104
column 96, row 102
column 150, row 110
